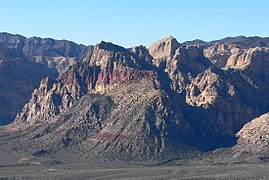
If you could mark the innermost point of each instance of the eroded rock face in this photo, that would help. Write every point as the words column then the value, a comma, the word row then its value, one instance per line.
column 116, row 65
column 156, row 128
column 140, row 121
column 149, row 103
column 249, row 73
column 214, row 84
column 219, row 54
column 49, row 100
column 164, row 48
column 107, row 66
column 181, row 63
column 203, row 90
column 18, row 79
column 232, row 56
column 24, row 62
column 254, row 136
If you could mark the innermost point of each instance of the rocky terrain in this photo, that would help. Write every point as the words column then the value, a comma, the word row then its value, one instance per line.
column 166, row 102
column 18, row 78
column 243, row 41
column 24, row 62
column 253, row 137
column 57, row 54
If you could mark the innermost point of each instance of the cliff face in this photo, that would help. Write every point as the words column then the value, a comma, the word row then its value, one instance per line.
column 137, row 117
column 24, row 62
column 149, row 103
column 106, row 66
column 181, row 63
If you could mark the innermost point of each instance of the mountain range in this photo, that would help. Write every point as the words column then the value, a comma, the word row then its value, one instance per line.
column 166, row 101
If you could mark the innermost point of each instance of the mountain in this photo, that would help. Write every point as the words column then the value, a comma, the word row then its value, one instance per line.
column 165, row 102
column 112, row 102
column 24, row 62
column 18, row 78
column 243, row 41
column 57, row 54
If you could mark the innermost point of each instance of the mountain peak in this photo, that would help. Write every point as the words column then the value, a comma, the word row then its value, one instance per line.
column 110, row 47
column 164, row 48
column 169, row 39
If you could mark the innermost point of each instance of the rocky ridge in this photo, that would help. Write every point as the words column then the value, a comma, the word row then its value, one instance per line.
column 57, row 54
column 24, row 62
column 138, row 103
column 18, row 78
column 243, row 41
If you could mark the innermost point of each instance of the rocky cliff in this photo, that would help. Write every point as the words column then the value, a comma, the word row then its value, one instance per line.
column 18, row 78
column 135, row 115
column 24, row 62
column 136, row 103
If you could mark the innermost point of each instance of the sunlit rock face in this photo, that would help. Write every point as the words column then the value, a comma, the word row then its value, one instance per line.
column 254, row 136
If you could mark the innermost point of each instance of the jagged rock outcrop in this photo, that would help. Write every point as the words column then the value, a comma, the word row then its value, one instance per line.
column 164, row 48
column 254, row 136
column 234, row 93
column 219, row 54
column 24, row 62
column 106, row 66
column 148, row 103
column 221, row 88
column 234, row 57
column 180, row 62
column 141, row 121
column 18, row 78
column 216, row 108
column 249, row 68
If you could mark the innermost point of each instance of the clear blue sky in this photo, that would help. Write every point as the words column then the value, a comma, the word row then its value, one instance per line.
column 134, row 22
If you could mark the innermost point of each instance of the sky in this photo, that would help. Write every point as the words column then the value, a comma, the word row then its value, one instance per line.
column 134, row 22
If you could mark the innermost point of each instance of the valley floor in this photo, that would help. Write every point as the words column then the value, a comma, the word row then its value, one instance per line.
column 86, row 171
